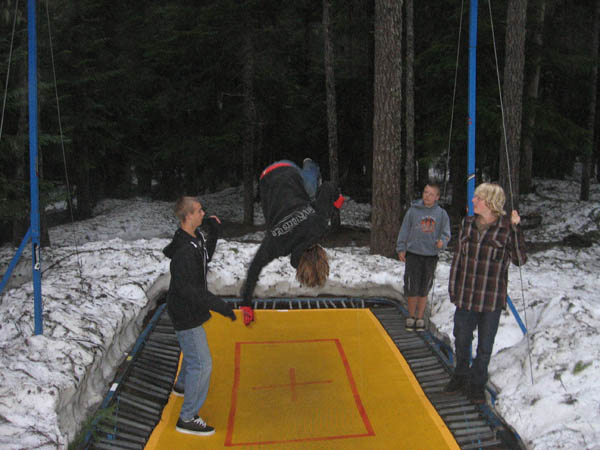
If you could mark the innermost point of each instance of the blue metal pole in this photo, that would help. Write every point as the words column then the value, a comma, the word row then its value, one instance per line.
column 472, row 109
column 33, row 168
column 516, row 314
column 472, row 104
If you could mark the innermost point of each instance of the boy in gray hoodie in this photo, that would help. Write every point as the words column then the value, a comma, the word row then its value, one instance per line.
column 425, row 231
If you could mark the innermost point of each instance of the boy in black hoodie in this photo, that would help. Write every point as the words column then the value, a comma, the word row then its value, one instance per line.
column 189, row 303
column 294, row 227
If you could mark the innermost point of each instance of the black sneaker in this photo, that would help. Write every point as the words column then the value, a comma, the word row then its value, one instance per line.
column 419, row 325
column 456, row 384
column 477, row 394
column 195, row 426
column 177, row 391
column 409, row 324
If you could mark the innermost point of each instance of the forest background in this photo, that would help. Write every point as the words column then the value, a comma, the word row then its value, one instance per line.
column 161, row 99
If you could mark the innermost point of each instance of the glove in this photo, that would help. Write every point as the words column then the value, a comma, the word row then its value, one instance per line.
column 339, row 202
column 248, row 313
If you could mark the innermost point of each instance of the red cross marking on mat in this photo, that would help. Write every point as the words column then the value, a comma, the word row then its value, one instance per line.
column 292, row 385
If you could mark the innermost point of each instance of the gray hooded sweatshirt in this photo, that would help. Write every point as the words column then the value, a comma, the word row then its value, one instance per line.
column 421, row 228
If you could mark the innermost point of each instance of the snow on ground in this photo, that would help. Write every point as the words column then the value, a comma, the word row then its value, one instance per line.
column 103, row 275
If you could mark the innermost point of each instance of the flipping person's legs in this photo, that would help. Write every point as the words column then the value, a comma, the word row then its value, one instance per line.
column 311, row 174
column 266, row 184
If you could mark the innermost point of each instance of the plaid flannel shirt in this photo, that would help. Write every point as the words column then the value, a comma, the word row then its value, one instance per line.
column 479, row 271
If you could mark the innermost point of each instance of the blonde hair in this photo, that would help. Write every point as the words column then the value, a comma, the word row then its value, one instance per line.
column 184, row 206
column 493, row 196
column 313, row 267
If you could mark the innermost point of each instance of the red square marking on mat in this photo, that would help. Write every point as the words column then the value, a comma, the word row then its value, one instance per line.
column 294, row 381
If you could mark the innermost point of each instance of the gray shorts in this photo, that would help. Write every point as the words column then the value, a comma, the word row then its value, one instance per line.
column 418, row 274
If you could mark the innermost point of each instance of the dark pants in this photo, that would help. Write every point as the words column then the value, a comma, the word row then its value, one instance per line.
column 419, row 271
column 465, row 322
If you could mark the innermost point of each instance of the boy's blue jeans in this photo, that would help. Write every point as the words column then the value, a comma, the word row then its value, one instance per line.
column 465, row 322
column 196, row 367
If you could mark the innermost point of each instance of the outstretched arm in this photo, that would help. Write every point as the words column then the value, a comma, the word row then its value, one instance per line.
column 326, row 199
column 260, row 260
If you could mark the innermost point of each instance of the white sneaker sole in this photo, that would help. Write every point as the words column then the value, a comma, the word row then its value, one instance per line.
column 177, row 394
column 196, row 433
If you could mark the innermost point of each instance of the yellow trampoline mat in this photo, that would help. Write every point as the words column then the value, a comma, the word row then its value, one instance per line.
column 308, row 379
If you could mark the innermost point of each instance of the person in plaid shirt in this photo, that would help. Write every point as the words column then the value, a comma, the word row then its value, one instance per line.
column 487, row 243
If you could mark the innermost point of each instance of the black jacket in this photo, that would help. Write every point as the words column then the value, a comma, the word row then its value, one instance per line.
column 293, row 222
column 188, row 299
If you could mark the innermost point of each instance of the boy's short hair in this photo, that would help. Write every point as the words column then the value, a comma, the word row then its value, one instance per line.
column 434, row 185
column 493, row 196
column 184, row 206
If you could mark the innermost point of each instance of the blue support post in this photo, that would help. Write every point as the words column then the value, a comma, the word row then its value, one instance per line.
column 33, row 167
column 472, row 104
column 516, row 314
column 472, row 110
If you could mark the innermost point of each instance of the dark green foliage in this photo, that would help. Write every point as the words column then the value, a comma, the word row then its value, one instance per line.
column 151, row 93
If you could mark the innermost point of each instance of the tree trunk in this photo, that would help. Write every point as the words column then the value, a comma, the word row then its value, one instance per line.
column 20, row 222
column 516, row 21
column 82, row 180
column 44, row 234
column 367, row 113
column 526, row 169
column 596, row 159
column 387, row 139
column 409, row 160
column 587, row 151
column 332, row 137
column 249, row 130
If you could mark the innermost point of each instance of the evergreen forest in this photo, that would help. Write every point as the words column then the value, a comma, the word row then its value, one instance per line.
column 160, row 99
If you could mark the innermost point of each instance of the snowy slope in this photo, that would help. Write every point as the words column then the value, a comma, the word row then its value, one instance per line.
column 102, row 275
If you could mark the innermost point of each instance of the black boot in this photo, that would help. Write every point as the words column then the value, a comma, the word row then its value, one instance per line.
column 456, row 384
column 477, row 394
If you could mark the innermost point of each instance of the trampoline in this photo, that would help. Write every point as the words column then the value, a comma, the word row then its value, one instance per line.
column 333, row 373
column 308, row 379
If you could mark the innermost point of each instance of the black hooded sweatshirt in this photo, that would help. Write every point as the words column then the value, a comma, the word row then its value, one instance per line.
column 293, row 222
column 188, row 299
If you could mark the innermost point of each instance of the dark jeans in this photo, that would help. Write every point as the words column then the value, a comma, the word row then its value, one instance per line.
column 465, row 322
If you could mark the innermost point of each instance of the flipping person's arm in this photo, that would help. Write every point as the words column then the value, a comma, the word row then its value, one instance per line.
column 260, row 260
column 326, row 197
